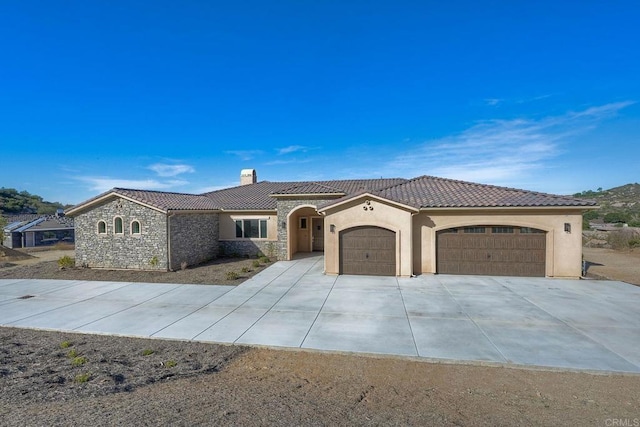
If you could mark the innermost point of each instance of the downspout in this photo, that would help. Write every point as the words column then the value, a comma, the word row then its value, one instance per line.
column 169, row 215
column 411, row 237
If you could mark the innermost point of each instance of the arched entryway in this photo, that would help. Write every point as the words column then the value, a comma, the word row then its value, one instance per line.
column 305, row 231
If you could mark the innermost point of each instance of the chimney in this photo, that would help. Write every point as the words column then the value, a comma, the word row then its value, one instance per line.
column 248, row 176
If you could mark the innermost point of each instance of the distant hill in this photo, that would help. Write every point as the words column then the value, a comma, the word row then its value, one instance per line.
column 617, row 205
column 13, row 202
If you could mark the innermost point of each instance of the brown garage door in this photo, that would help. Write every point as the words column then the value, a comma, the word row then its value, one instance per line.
column 492, row 250
column 368, row 250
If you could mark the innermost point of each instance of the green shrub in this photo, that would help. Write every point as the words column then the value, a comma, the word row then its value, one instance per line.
column 232, row 275
column 66, row 262
column 256, row 263
column 66, row 344
column 154, row 261
column 634, row 243
column 170, row 363
column 72, row 353
column 83, row 378
column 264, row 260
column 245, row 269
column 147, row 352
column 79, row 361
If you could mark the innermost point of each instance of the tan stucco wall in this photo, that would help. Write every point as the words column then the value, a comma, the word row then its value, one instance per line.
column 564, row 250
column 416, row 232
column 228, row 225
column 383, row 215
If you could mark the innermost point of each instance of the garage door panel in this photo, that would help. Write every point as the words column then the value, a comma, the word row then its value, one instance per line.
column 368, row 250
column 499, row 254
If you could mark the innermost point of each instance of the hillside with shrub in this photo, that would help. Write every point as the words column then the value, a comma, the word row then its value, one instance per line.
column 13, row 202
column 618, row 205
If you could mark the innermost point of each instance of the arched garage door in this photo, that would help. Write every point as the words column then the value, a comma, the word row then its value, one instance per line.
column 368, row 250
column 492, row 250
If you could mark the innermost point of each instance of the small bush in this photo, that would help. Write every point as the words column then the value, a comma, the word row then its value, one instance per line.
column 66, row 344
column 82, row 378
column 154, row 261
column 232, row 275
column 66, row 262
column 170, row 363
column 634, row 243
column 79, row 361
column 147, row 352
column 72, row 353
column 622, row 239
column 256, row 263
column 264, row 260
column 245, row 269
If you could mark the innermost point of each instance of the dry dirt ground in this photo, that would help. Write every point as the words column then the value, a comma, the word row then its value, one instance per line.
column 612, row 264
column 60, row 378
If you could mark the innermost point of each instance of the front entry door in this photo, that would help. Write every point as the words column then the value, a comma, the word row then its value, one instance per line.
column 318, row 234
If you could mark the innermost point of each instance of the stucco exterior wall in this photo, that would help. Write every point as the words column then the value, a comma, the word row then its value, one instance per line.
column 230, row 245
column 125, row 250
column 564, row 250
column 193, row 238
column 383, row 215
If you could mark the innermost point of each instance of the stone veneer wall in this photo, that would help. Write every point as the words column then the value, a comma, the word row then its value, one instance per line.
column 193, row 238
column 249, row 248
column 122, row 250
column 284, row 208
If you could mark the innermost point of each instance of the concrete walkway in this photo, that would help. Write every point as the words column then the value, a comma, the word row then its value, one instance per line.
column 590, row 325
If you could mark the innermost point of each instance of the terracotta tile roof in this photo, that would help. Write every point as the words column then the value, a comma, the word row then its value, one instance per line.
column 162, row 200
column 168, row 201
column 421, row 192
column 249, row 197
column 433, row 192
column 259, row 196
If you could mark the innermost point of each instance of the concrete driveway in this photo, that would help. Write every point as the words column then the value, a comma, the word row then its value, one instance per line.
column 586, row 325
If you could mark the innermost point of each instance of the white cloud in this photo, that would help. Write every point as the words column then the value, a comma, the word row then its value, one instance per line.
column 500, row 151
column 287, row 162
column 102, row 184
column 493, row 101
column 245, row 154
column 292, row 149
column 163, row 169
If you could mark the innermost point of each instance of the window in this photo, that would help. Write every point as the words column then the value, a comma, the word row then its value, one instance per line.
column 529, row 230
column 474, row 230
column 117, row 225
column 303, row 223
column 102, row 227
column 501, row 230
column 135, row 227
column 251, row 228
column 449, row 230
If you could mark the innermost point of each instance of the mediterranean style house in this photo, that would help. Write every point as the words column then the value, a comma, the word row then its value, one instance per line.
column 395, row 227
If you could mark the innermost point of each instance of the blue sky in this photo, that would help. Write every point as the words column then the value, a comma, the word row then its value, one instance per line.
column 180, row 96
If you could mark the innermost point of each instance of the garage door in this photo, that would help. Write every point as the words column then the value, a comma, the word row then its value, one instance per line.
column 492, row 250
column 368, row 250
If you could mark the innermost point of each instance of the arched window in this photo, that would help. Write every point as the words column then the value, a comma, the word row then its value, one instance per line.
column 102, row 227
column 117, row 225
column 135, row 227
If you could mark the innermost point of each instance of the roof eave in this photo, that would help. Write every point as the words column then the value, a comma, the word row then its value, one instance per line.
column 486, row 208
column 367, row 195
column 309, row 195
column 87, row 205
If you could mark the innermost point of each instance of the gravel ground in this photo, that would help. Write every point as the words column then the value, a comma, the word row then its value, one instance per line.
column 59, row 378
